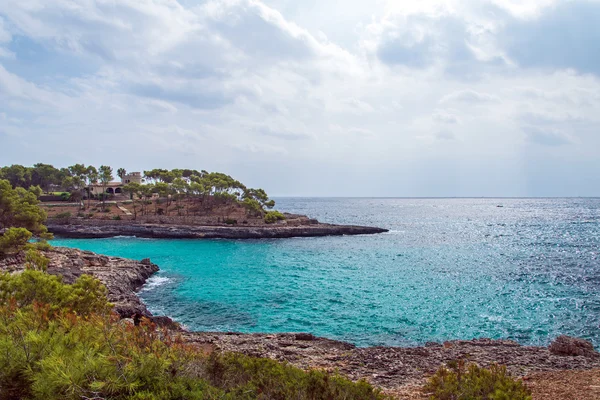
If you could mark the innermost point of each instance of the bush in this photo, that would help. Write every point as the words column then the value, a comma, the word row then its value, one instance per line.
column 63, row 215
column 116, row 218
column 65, row 196
column 35, row 260
column 60, row 341
column 273, row 216
column 14, row 240
column 459, row 381
column 230, row 221
column 41, row 245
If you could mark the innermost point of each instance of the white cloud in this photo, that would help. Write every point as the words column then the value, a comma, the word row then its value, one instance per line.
column 469, row 96
column 221, row 84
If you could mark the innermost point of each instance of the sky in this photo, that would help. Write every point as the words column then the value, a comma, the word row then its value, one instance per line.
column 312, row 97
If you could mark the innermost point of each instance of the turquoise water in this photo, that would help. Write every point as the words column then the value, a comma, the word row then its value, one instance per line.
column 448, row 269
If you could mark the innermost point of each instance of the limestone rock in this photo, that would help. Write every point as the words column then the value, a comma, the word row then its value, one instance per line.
column 570, row 346
column 122, row 277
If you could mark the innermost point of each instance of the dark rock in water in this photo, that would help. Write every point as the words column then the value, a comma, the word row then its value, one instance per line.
column 570, row 346
column 122, row 277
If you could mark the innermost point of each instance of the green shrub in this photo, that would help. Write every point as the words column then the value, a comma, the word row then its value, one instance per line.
column 60, row 341
column 41, row 245
column 64, row 196
column 462, row 381
column 230, row 221
column 36, row 260
column 116, row 218
column 14, row 240
column 63, row 215
column 273, row 216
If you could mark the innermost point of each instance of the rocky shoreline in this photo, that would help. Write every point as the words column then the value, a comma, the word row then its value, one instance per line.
column 399, row 371
column 169, row 231
column 122, row 277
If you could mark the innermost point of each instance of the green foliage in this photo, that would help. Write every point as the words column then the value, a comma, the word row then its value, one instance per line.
column 460, row 381
column 273, row 216
column 19, row 209
column 64, row 196
column 36, row 190
column 230, row 221
column 41, row 245
column 14, row 240
column 63, row 215
column 253, row 207
column 59, row 341
column 35, row 260
column 87, row 295
column 116, row 218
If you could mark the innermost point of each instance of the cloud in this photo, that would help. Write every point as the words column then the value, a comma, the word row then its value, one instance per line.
column 565, row 35
column 469, row 96
column 422, row 40
column 5, row 35
column 445, row 117
column 547, row 137
column 219, row 84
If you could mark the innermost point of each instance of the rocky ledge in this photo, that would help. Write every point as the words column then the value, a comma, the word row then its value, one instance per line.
column 159, row 231
column 122, row 277
column 401, row 370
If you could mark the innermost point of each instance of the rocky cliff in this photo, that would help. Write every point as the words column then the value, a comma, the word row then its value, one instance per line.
column 122, row 277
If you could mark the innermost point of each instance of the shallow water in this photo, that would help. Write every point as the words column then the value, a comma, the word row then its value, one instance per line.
column 448, row 269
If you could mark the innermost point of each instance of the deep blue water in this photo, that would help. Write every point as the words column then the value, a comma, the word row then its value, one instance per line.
column 448, row 269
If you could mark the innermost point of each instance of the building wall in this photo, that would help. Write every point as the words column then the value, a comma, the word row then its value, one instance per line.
column 134, row 177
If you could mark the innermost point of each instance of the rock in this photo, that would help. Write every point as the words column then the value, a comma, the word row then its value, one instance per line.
column 305, row 336
column 122, row 277
column 570, row 346
column 312, row 228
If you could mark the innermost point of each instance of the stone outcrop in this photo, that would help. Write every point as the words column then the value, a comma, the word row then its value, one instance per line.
column 570, row 346
column 105, row 229
column 391, row 368
column 122, row 277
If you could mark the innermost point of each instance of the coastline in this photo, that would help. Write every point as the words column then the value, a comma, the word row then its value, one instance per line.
column 399, row 371
column 106, row 229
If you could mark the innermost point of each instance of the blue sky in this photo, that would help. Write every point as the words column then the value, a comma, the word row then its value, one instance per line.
column 314, row 98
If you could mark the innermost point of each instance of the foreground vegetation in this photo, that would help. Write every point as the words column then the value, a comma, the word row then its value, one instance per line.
column 462, row 381
column 61, row 341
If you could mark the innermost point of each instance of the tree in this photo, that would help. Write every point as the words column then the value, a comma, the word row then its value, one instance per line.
column 20, row 217
column 135, row 192
column 91, row 176
column 19, row 209
column 79, row 175
column 121, row 173
column 45, row 175
column 17, row 175
column 105, row 176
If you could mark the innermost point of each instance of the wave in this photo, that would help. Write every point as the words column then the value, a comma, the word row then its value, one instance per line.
column 156, row 281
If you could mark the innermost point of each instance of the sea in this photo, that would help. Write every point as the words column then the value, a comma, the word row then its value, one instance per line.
column 456, row 268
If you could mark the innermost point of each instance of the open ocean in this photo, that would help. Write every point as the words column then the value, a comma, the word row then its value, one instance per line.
column 448, row 269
